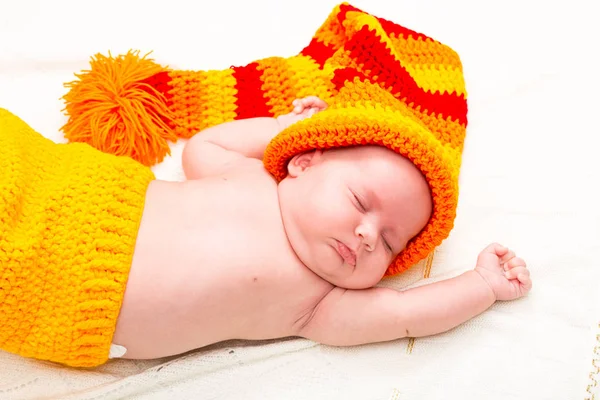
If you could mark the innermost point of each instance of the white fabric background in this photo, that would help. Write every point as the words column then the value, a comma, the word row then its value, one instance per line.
column 529, row 180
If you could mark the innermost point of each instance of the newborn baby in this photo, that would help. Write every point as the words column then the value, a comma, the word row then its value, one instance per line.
column 232, row 254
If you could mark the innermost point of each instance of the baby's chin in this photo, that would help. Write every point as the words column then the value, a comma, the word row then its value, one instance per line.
column 324, row 262
column 319, row 262
column 343, row 275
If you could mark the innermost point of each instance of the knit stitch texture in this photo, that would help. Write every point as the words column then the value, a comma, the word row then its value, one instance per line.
column 69, row 217
column 385, row 85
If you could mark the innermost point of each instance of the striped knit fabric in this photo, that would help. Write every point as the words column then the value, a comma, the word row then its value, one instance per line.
column 385, row 85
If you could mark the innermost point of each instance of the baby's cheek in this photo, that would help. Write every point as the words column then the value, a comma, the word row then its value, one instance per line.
column 325, row 206
column 379, row 263
column 370, row 273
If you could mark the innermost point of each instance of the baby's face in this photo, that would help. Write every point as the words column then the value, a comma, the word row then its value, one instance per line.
column 348, row 212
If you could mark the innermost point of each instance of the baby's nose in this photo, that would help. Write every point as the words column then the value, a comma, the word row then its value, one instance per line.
column 368, row 236
column 370, row 242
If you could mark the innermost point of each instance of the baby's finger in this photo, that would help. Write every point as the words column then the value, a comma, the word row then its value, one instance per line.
column 505, row 258
column 309, row 100
column 496, row 249
column 515, row 262
column 525, row 281
column 320, row 104
column 313, row 101
column 298, row 106
column 515, row 272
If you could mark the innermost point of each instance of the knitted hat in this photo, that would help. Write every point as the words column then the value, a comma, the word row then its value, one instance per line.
column 385, row 85
column 69, row 218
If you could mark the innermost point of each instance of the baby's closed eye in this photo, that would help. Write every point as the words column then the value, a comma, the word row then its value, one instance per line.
column 387, row 245
column 359, row 204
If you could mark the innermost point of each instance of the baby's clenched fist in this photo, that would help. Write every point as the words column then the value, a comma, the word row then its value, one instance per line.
column 505, row 273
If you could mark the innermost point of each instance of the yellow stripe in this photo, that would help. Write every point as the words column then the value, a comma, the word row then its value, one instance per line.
column 310, row 80
column 442, row 78
column 202, row 99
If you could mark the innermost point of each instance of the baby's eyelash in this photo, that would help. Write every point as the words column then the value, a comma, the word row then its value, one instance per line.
column 387, row 245
column 360, row 204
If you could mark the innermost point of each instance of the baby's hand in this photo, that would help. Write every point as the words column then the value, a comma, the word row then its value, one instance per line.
column 308, row 105
column 507, row 275
column 303, row 108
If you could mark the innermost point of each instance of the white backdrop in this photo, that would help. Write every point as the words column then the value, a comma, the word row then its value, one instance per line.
column 528, row 180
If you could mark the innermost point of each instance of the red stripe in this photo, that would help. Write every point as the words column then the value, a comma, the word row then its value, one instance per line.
column 343, row 75
column 374, row 56
column 160, row 82
column 389, row 27
column 344, row 8
column 318, row 51
column 250, row 99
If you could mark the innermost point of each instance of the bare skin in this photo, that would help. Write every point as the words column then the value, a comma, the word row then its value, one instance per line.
column 230, row 254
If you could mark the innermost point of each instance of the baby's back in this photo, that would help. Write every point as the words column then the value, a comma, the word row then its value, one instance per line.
column 212, row 263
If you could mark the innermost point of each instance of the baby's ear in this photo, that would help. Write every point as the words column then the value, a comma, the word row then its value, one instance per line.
column 301, row 162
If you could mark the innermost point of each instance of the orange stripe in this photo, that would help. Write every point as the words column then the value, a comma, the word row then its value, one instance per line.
column 445, row 130
column 424, row 52
column 331, row 33
column 279, row 84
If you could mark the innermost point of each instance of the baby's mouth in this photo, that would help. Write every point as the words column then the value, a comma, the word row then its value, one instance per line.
column 347, row 254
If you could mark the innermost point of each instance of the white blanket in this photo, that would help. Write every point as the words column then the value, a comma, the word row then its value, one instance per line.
column 528, row 180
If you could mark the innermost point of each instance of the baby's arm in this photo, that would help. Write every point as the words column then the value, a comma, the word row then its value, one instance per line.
column 215, row 149
column 351, row 317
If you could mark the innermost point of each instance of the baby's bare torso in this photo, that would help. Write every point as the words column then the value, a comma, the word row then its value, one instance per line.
column 212, row 262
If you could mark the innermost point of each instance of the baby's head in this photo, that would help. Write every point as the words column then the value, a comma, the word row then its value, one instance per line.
column 349, row 211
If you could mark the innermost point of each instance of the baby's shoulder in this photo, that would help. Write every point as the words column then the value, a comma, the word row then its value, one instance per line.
column 251, row 172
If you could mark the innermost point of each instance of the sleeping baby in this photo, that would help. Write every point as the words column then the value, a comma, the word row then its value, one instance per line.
column 232, row 254
column 98, row 259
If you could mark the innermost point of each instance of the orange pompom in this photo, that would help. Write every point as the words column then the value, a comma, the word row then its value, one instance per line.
column 113, row 109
